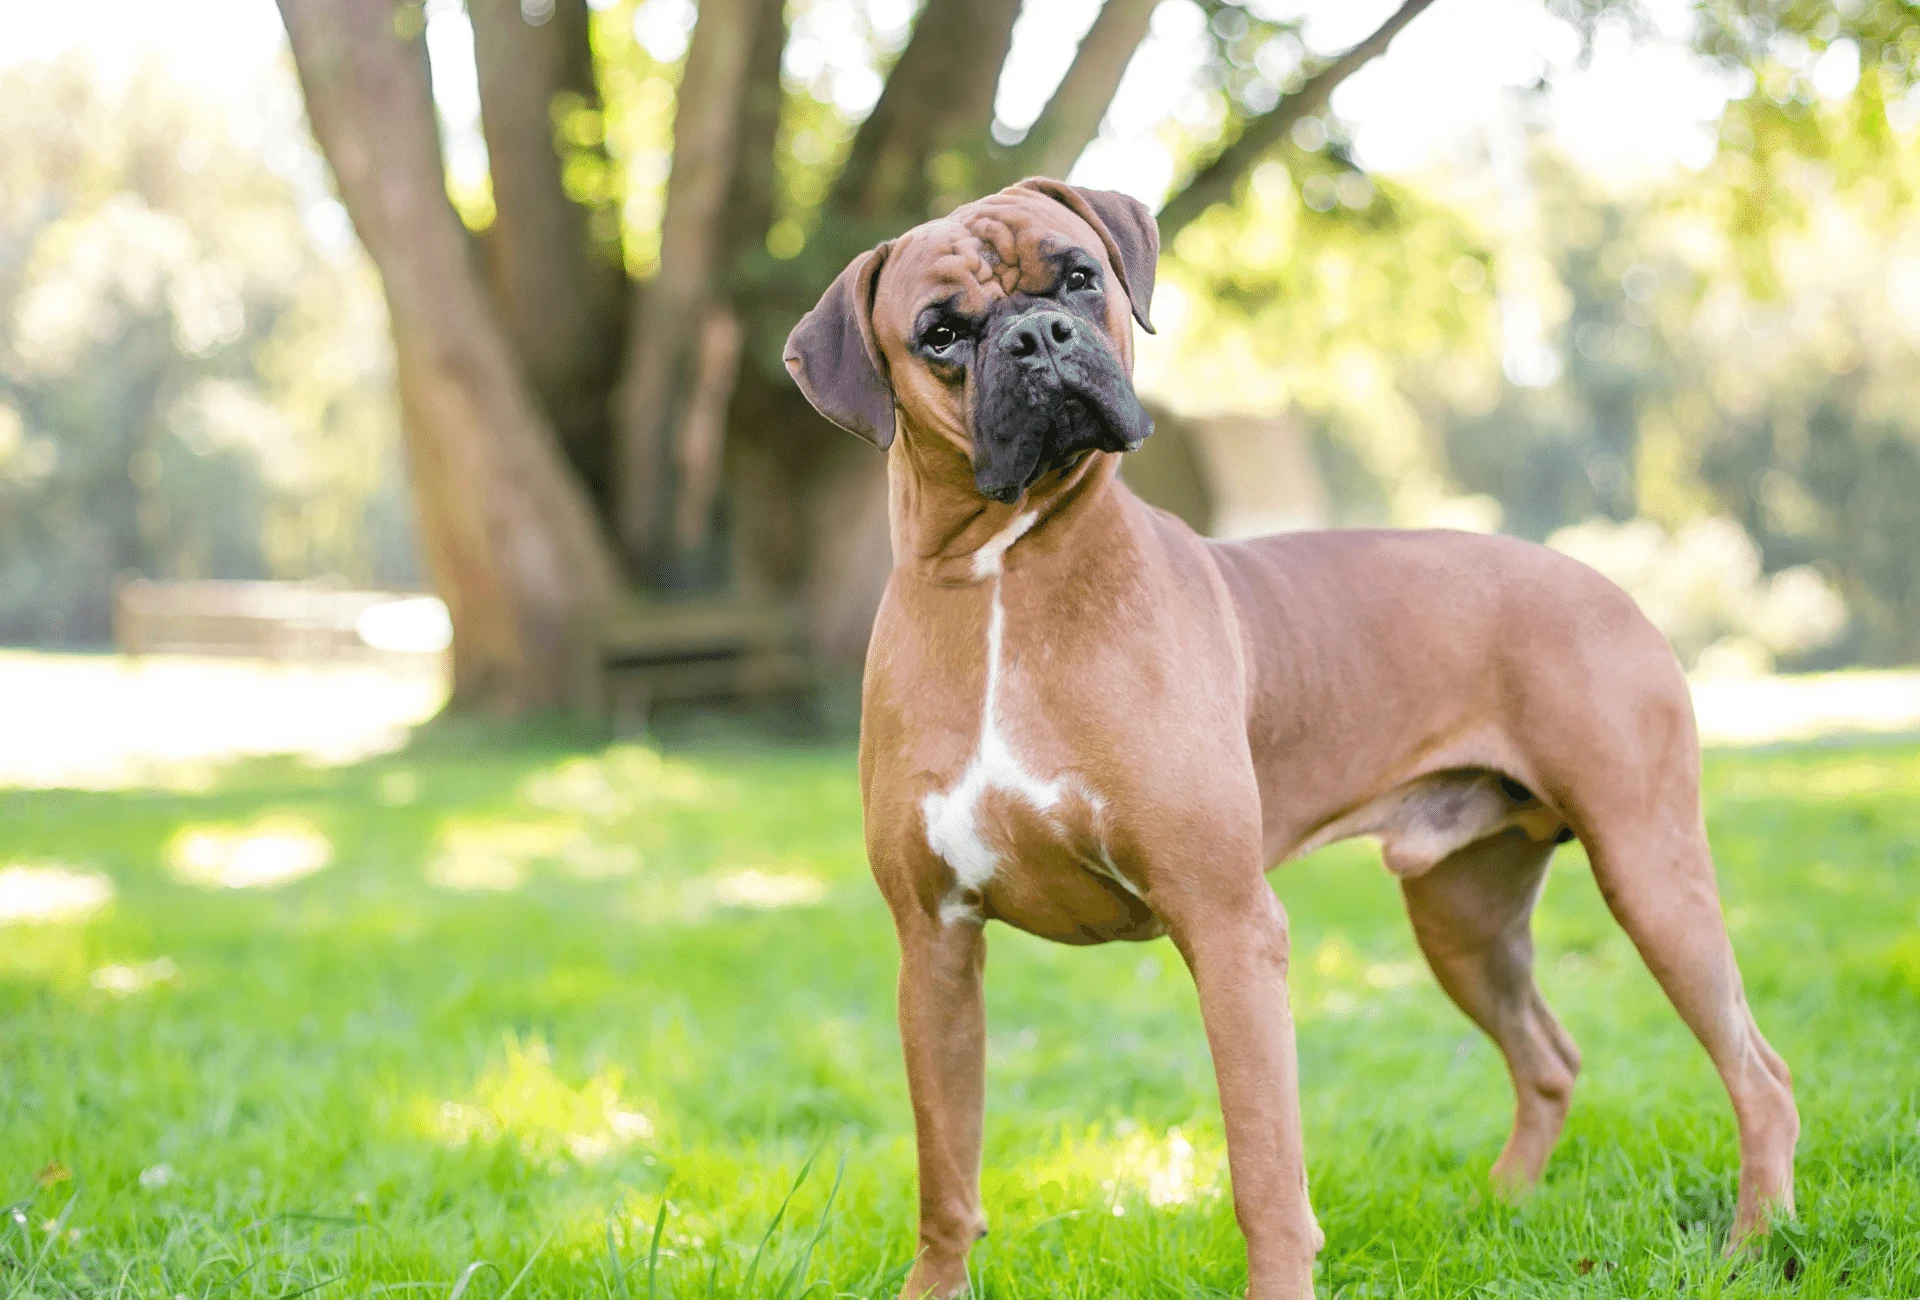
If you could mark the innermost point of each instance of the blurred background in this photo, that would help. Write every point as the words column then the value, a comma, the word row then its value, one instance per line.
column 367, row 364
column 442, row 340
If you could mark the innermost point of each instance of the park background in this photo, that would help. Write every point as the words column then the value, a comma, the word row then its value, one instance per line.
column 373, row 970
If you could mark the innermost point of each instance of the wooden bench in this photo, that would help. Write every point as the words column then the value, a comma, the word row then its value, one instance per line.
column 642, row 652
column 270, row 620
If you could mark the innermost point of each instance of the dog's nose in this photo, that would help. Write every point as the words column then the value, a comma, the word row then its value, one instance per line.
column 1039, row 334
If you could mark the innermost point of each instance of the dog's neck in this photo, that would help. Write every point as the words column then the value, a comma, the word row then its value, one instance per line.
column 943, row 531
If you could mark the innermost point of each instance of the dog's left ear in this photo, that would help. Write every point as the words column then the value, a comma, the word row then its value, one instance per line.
column 832, row 356
column 1127, row 229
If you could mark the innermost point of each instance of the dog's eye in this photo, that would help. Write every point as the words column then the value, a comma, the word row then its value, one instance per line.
column 940, row 338
column 1079, row 278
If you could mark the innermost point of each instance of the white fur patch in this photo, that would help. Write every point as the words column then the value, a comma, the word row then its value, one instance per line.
column 990, row 558
column 954, row 909
column 953, row 817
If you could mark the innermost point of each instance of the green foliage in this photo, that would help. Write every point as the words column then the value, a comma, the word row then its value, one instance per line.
column 1679, row 383
column 1567, row 451
column 587, row 171
column 1799, row 132
column 1255, row 58
column 1320, row 291
column 189, row 387
column 1686, row 394
column 628, row 1063
column 801, row 252
column 636, row 129
column 1824, row 481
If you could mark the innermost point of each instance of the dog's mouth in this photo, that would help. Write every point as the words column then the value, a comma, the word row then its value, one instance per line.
column 1032, row 421
column 1076, row 427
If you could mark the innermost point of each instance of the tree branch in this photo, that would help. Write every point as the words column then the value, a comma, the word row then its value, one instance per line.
column 750, row 203
column 1214, row 183
column 1072, row 117
column 707, row 127
column 939, row 97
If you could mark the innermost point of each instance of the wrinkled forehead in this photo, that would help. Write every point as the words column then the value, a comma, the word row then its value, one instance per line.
column 979, row 254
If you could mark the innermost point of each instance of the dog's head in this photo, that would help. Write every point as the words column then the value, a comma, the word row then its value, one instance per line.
column 1004, row 328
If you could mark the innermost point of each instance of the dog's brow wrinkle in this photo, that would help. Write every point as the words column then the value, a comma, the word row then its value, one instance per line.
column 961, row 267
column 1000, row 243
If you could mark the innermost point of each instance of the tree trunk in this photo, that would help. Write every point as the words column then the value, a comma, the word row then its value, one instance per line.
column 685, row 345
column 706, row 427
column 515, row 549
column 553, row 261
column 919, row 153
column 806, row 505
column 808, row 502
column 756, row 176
column 810, row 512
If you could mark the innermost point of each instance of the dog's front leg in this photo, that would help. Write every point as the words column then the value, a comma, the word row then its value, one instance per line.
column 1236, row 946
column 943, row 1032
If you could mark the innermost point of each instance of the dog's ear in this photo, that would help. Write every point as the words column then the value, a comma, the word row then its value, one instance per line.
column 832, row 356
column 1127, row 229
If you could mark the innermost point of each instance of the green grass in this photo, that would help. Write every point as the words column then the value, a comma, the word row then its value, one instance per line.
column 365, row 1082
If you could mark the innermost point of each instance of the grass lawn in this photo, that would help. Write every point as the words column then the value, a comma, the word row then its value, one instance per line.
column 526, row 995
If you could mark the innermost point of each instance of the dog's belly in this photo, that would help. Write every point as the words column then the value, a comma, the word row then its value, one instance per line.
column 1425, row 820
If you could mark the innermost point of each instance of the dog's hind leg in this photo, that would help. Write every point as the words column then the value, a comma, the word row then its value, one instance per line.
column 1472, row 914
column 1656, row 873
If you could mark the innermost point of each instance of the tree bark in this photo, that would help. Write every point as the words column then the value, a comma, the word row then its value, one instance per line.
column 1214, row 182
column 1072, row 117
column 919, row 152
column 810, row 512
column 553, row 264
column 661, row 476
column 806, row 503
column 515, row 548
column 756, row 177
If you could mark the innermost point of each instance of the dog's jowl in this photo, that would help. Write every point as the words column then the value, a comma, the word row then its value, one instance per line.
column 1085, row 721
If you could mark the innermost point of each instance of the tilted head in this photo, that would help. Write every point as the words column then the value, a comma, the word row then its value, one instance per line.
column 1004, row 328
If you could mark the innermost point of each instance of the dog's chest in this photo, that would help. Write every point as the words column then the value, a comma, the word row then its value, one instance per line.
column 1025, row 835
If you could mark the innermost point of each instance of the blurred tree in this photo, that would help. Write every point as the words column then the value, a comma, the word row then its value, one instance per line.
column 1818, row 450
column 1342, row 300
column 1827, row 86
column 700, row 458
column 1564, row 450
column 1736, row 346
column 189, row 386
column 551, row 254
column 1689, row 390
column 509, row 529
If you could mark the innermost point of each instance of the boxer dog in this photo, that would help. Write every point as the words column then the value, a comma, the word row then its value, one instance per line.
column 1084, row 720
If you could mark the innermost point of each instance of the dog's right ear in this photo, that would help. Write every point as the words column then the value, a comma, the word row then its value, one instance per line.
column 832, row 356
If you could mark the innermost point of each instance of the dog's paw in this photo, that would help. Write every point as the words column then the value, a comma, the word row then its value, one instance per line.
column 933, row 1280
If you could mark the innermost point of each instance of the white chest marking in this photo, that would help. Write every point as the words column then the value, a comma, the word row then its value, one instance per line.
column 988, row 560
column 954, row 817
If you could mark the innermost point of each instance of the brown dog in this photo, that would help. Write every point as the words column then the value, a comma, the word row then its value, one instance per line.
column 1085, row 721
